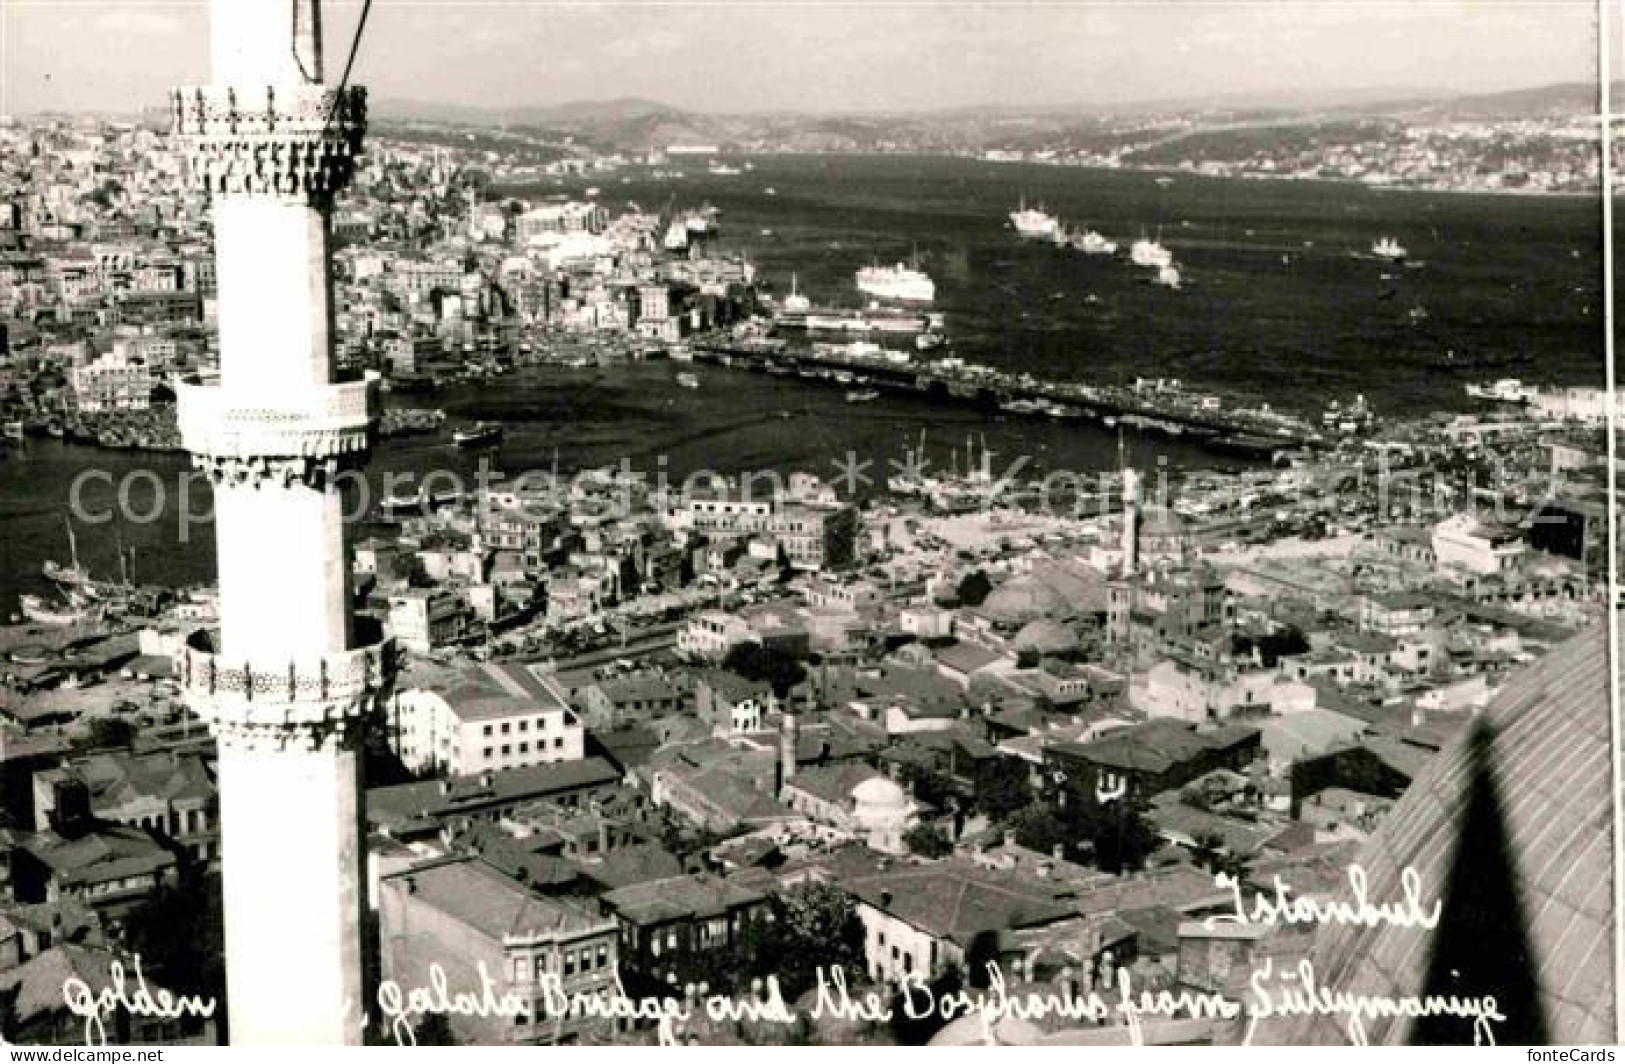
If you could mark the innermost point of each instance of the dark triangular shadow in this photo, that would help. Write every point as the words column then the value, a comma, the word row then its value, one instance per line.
column 1481, row 946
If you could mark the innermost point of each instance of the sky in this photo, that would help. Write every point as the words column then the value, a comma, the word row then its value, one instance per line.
column 827, row 55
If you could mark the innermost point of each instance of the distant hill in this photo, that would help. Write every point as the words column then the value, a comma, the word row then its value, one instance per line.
column 637, row 123
column 1577, row 98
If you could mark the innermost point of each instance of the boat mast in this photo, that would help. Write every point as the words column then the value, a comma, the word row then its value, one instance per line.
column 73, row 544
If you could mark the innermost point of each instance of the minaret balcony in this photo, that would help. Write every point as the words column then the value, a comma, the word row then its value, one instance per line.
column 270, row 139
column 268, row 691
column 322, row 422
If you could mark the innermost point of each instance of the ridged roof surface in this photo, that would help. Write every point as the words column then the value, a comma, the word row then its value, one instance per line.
column 1510, row 828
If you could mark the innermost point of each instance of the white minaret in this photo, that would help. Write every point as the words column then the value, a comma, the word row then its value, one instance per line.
column 1131, row 521
column 290, row 681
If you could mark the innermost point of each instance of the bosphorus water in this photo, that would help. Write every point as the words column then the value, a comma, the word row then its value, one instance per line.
column 1281, row 305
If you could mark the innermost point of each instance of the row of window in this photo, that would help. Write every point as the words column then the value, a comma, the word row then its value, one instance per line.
column 542, row 724
column 574, row 962
column 524, row 748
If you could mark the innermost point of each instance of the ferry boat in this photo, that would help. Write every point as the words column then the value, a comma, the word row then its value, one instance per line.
column 899, row 282
column 1033, row 224
column 1506, row 390
column 1388, row 248
column 1145, row 252
column 688, row 380
column 1092, row 243
column 484, row 434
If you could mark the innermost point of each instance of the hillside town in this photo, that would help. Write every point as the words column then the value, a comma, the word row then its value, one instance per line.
column 747, row 736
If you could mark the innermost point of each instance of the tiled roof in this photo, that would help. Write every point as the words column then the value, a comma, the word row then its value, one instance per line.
column 1510, row 823
column 461, row 794
column 480, row 897
column 1155, row 746
column 946, row 899
column 832, row 783
column 693, row 897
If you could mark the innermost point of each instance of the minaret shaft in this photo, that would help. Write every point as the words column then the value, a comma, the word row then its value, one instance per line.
column 291, row 680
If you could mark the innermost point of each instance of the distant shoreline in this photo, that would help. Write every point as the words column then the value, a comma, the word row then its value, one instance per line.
column 1290, row 179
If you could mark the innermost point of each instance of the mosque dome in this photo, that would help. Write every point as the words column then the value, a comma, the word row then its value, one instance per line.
column 1509, row 828
column 1046, row 636
column 1022, row 599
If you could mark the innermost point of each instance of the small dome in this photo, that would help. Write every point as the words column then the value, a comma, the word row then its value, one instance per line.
column 1046, row 636
column 879, row 793
column 1159, row 522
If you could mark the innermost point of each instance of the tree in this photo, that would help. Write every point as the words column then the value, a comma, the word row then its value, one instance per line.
column 179, row 933
column 1117, row 832
column 1042, row 827
column 928, row 785
column 928, row 840
column 434, row 1030
column 974, row 588
column 1123, row 837
column 815, row 926
column 765, row 664
column 1005, row 788
column 108, row 732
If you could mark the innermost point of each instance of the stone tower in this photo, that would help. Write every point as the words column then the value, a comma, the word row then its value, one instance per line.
column 290, row 680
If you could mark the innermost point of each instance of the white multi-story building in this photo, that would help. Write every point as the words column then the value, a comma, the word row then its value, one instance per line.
column 116, row 380
column 710, row 634
column 1464, row 543
column 485, row 718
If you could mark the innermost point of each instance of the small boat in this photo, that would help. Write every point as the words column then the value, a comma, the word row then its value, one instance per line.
column 484, row 434
column 1145, row 252
column 688, row 380
column 1092, row 243
column 67, row 576
column 862, row 395
column 1388, row 248
column 73, row 574
column 1507, row 390
column 1167, row 276
column 39, row 611
column 770, row 191
column 929, row 341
